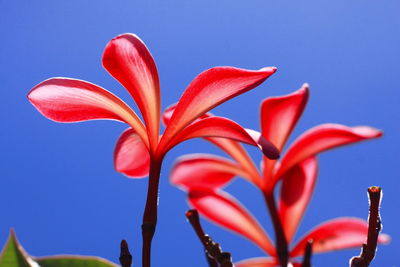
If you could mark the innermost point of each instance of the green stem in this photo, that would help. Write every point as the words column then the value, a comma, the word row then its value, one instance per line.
column 150, row 211
column 280, row 239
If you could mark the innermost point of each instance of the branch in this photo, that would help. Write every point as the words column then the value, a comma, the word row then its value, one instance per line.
column 374, row 228
column 307, row 254
column 214, row 254
column 125, row 257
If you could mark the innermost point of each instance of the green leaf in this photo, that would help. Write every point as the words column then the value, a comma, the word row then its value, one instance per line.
column 73, row 261
column 13, row 255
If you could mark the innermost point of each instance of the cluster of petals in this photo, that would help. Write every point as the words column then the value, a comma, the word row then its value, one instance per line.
column 204, row 176
column 129, row 61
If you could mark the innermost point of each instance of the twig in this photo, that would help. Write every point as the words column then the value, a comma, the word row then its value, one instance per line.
column 374, row 228
column 125, row 257
column 307, row 254
column 215, row 256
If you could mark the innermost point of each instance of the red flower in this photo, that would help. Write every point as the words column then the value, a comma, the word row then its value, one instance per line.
column 204, row 176
column 140, row 149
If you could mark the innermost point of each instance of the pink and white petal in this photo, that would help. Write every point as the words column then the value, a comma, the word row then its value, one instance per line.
column 341, row 233
column 222, row 127
column 211, row 88
column 224, row 210
column 72, row 100
column 204, row 171
column 279, row 115
column 322, row 138
column 131, row 156
column 129, row 61
column 258, row 262
column 296, row 191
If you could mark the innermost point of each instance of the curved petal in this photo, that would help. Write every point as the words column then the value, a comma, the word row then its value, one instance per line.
column 129, row 61
column 322, row 138
column 225, row 210
column 72, row 100
column 341, row 233
column 204, row 171
column 222, row 127
column 296, row 191
column 279, row 115
column 211, row 88
column 229, row 146
column 258, row 262
column 131, row 156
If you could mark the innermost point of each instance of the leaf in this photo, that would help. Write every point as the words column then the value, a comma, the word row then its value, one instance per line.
column 74, row 261
column 13, row 254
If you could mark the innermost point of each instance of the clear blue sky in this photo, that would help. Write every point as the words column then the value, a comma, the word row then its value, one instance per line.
column 58, row 188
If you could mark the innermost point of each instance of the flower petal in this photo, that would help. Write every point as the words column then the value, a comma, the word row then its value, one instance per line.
column 204, row 171
column 71, row 100
column 222, row 127
column 258, row 262
column 129, row 61
column 341, row 233
column 296, row 191
column 208, row 90
column 322, row 138
column 225, row 210
column 279, row 115
column 131, row 156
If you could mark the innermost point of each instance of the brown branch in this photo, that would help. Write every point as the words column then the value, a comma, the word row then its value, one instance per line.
column 214, row 254
column 307, row 254
column 374, row 228
column 125, row 257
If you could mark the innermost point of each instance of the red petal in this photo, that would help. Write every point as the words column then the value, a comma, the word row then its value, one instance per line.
column 239, row 154
column 258, row 262
column 279, row 115
column 71, row 100
column 131, row 156
column 296, row 191
column 341, row 233
column 129, row 61
column 222, row 127
column 208, row 90
column 225, row 210
column 204, row 171
column 321, row 138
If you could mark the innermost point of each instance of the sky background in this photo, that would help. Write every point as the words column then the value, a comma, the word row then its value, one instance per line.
column 58, row 188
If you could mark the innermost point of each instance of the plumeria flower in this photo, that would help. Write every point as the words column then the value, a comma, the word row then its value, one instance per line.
column 140, row 149
column 204, row 176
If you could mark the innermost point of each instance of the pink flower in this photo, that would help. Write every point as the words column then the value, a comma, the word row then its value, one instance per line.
column 203, row 176
column 140, row 149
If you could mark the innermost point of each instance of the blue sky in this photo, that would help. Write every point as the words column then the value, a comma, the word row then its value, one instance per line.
column 58, row 188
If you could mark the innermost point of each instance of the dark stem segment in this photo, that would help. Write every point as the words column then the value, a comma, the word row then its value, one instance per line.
column 150, row 211
column 215, row 256
column 125, row 257
column 374, row 228
column 307, row 254
column 280, row 238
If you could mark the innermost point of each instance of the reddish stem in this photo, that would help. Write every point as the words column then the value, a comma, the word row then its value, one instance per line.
column 374, row 228
column 280, row 238
column 125, row 257
column 150, row 210
column 307, row 254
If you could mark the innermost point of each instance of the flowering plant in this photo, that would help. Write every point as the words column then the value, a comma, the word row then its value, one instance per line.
column 140, row 149
column 204, row 176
